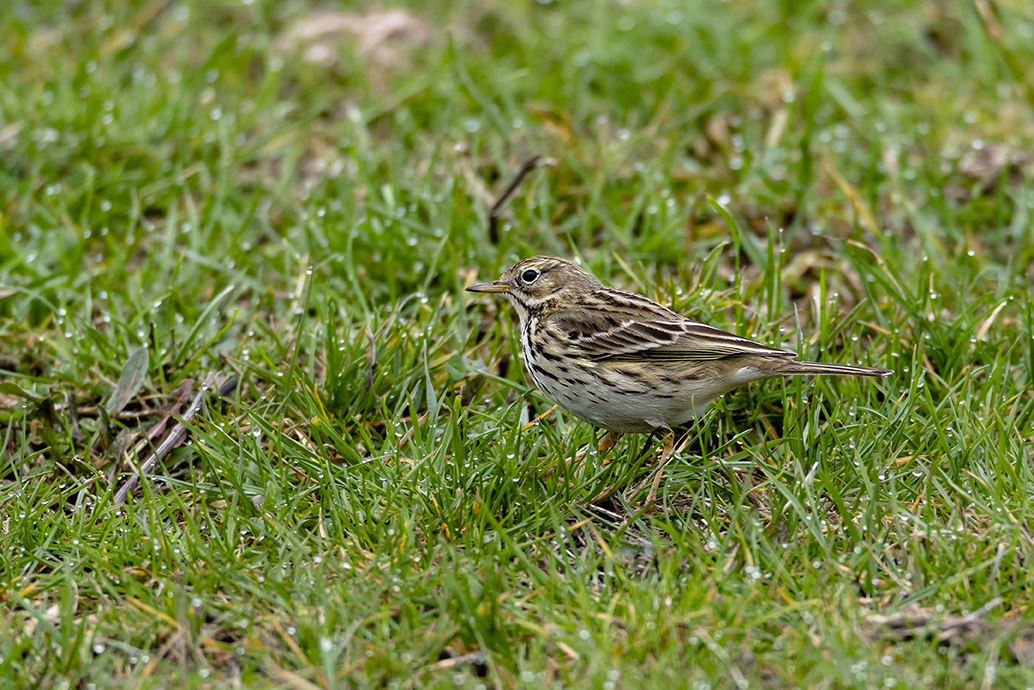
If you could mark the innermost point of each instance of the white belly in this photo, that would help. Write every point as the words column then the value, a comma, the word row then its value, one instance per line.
column 610, row 398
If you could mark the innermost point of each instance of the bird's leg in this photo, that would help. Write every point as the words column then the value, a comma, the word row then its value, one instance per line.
column 671, row 448
column 609, row 440
column 647, row 442
column 669, row 443
column 654, row 480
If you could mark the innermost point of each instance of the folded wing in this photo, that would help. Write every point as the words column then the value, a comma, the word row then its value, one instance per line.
column 656, row 334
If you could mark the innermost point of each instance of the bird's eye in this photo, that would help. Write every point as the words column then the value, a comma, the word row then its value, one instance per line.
column 529, row 276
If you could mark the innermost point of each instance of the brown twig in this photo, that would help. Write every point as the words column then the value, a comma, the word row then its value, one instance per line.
column 511, row 189
column 913, row 622
column 175, row 436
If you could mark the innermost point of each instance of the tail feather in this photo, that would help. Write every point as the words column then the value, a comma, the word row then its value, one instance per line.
column 791, row 367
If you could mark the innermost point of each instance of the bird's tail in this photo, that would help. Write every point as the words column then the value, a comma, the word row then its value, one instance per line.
column 791, row 367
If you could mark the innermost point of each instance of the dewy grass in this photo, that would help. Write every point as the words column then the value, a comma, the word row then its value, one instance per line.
column 242, row 193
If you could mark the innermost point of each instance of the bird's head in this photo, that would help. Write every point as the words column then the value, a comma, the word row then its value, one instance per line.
column 531, row 284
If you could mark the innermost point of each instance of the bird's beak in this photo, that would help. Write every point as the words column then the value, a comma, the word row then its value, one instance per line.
column 494, row 286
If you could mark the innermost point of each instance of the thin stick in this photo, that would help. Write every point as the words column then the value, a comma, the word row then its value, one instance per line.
column 511, row 189
column 175, row 437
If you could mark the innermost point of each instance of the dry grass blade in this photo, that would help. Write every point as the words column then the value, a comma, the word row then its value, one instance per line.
column 371, row 362
column 476, row 658
column 133, row 374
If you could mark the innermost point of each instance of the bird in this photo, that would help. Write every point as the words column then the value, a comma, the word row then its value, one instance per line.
column 625, row 363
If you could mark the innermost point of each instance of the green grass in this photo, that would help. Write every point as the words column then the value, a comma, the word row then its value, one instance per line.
column 173, row 178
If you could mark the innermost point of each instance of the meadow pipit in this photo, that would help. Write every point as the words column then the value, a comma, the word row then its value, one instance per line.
column 625, row 363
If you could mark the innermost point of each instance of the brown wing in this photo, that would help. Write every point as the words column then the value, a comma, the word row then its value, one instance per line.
column 635, row 328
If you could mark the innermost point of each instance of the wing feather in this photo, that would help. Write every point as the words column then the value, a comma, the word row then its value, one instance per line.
column 645, row 330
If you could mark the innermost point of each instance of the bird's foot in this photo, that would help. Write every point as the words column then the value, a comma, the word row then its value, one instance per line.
column 608, row 441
